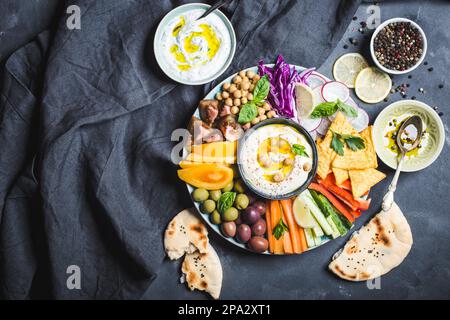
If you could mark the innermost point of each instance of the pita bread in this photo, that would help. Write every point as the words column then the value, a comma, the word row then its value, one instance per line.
column 363, row 180
column 185, row 234
column 376, row 249
column 203, row 272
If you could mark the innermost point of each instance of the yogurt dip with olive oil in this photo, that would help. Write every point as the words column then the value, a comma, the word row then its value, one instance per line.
column 269, row 162
column 408, row 136
column 195, row 50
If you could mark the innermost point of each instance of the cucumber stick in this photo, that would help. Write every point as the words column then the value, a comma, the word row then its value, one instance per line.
column 317, row 231
column 316, row 212
column 335, row 233
column 309, row 238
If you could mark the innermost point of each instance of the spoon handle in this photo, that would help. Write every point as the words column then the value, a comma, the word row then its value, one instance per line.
column 215, row 6
column 388, row 198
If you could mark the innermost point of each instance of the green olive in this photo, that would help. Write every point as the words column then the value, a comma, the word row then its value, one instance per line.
column 239, row 186
column 215, row 195
column 230, row 214
column 200, row 195
column 241, row 201
column 215, row 217
column 228, row 187
column 208, row 206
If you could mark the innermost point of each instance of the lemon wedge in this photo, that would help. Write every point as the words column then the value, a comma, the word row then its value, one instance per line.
column 302, row 215
column 305, row 100
column 347, row 67
column 372, row 85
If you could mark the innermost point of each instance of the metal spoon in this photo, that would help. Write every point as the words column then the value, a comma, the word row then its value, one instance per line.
column 415, row 121
column 215, row 6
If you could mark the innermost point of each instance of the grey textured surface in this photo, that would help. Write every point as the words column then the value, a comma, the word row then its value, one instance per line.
column 423, row 196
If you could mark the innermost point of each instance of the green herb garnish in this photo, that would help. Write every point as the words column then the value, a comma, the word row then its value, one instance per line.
column 249, row 111
column 298, row 149
column 352, row 142
column 279, row 229
column 225, row 202
column 326, row 109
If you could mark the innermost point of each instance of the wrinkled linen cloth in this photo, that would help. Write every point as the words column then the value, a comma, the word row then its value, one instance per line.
column 86, row 118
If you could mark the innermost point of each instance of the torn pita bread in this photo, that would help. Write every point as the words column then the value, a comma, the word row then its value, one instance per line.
column 363, row 180
column 203, row 272
column 376, row 249
column 340, row 175
column 185, row 234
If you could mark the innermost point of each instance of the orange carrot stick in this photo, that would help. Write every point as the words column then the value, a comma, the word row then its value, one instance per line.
column 288, row 215
column 269, row 227
column 287, row 243
column 302, row 236
column 275, row 211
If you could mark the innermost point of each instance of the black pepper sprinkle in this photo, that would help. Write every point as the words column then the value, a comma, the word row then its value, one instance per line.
column 355, row 18
column 441, row 86
column 345, row 46
column 440, row 114
column 410, row 76
column 425, row 63
column 430, row 69
column 413, row 98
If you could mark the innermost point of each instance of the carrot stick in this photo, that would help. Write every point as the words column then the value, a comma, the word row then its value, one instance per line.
column 339, row 206
column 302, row 237
column 276, row 216
column 287, row 243
column 270, row 236
column 288, row 215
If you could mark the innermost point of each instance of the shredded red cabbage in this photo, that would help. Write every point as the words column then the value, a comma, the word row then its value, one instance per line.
column 282, row 85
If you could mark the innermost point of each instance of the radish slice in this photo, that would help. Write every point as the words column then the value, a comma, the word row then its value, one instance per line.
column 310, row 124
column 361, row 121
column 323, row 127
column 333, row 90
column 316, row 80
column 318, row 95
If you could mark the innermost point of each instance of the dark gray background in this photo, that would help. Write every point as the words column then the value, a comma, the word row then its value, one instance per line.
column 423, row 196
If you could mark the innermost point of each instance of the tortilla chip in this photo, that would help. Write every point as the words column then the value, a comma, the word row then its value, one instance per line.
column 361, row 159
column 340, row 175
column 324, row 151
column 363, row 180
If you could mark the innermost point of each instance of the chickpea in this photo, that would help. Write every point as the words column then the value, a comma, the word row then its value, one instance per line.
column 225, row 94
column 261, row 111
column 265, row 160
column 219, row 96
column 250, row 96
column 245, row 85
column 237, row 102
column 263, row 117
column 226, row 86
column 256, row 78
column 234, row 110
column 233, row 88
column 244, row 100
column 266, row 106
column 246, row 126
column 242, row 74
column 237, row 94
column 251, row 88
column 250, row 74
column 307, row 166
column 229, row 101
column 237, row 80
column 255, row 121
column 271, row 114
column 278, row 177
column 288, row 162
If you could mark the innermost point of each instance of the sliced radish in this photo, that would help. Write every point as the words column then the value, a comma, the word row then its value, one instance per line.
column 333, row 90
column 361, row 121
column 323, row 127
column 316, row 80
column 310, row 124
column 318, row 95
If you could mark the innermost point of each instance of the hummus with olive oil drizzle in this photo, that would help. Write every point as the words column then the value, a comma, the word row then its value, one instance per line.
column 270, row 163
column 196, row 49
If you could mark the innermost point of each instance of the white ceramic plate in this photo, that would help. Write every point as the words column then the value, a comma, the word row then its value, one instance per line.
column 432, row 145
column 168, row 70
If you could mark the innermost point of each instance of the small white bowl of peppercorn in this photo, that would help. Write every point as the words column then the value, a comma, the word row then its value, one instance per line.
column 398, row 46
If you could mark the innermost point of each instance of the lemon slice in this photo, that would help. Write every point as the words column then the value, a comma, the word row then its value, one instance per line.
column 347, row 67
column 372, row 85
column 305, row 100
column 302, row 215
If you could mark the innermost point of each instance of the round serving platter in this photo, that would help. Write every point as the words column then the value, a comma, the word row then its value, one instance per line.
column 313, row 132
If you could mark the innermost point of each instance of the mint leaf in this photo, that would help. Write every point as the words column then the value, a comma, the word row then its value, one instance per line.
column 248, row 112
column 355, row 143
column 298, row 149
column 225, row 202
column 336, row 144
column 279, row 229
column 348, row 110
column 323, row 110
column 261, row 90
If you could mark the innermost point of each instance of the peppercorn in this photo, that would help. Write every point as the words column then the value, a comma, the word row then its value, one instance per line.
column 441, row 86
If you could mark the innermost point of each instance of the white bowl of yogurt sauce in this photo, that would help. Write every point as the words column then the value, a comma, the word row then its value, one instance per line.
column 194, row 52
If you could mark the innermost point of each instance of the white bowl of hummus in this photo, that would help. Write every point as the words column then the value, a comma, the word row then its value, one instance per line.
column 277, row 158
column 192, row 51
